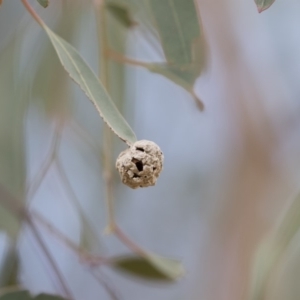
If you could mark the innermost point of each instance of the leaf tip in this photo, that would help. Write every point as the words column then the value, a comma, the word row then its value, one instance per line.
column 198, row 101
column 264, row 6
column 43, row 3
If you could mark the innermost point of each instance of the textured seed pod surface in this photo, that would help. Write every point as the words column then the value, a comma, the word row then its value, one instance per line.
column 140, row 164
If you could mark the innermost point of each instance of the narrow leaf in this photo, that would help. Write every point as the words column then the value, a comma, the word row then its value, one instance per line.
column 181, row 36
column 263, row 4
column 81, row 73
column 43, row 3
column 178, row 26
column 151, row 267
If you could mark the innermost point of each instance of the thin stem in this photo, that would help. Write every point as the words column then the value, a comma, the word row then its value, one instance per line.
column 33, row 13
column 33, row 188
column 107, row 137
column 51, row 260
column 106, row 284
column 81, row 252
column 85, row 136
column 75, row 201
column 128, row 242
column 59, row 235
column 120, row 58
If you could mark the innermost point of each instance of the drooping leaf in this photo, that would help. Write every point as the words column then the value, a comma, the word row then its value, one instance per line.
column 151, row 267
column 13, row 104
column 81, row 73
column 43, row 3
column 263, row 4
column 121, row 13
column 181, row 35
column 272, row 250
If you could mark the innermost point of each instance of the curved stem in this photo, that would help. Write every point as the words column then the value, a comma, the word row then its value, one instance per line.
column 128, row 242
column 120, row 58
column 32, row 12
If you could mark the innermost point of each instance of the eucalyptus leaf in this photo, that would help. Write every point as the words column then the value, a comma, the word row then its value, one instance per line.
column 263, row 4
column 180, row 32
column 15, row 295
column 81, row 73
column 43, row 3
column 178, row 26
column 150, row 267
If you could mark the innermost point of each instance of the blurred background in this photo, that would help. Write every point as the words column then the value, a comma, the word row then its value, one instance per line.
column 231, row 171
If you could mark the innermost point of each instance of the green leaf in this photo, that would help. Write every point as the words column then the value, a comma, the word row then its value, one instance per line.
column 121, row 13
column 81, row 73
column 25, row 295
column 15, row 295
column 181, row 35
column 263, row 4
column 178, row 27
column 48, row 297
column 151, row 267
column 273, row 249
column 43, row 3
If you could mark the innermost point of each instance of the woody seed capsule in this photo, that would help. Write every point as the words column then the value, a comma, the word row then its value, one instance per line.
column 140, row 164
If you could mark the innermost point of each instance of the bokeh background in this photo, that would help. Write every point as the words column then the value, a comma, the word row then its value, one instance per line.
column 230, row 171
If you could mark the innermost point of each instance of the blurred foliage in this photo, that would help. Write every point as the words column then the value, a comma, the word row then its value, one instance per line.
column 263, row 4
column 43, row 3
column 151, row 267
column 24, row 295
column 176, row 26
column 273, row 250
column 13, row 102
